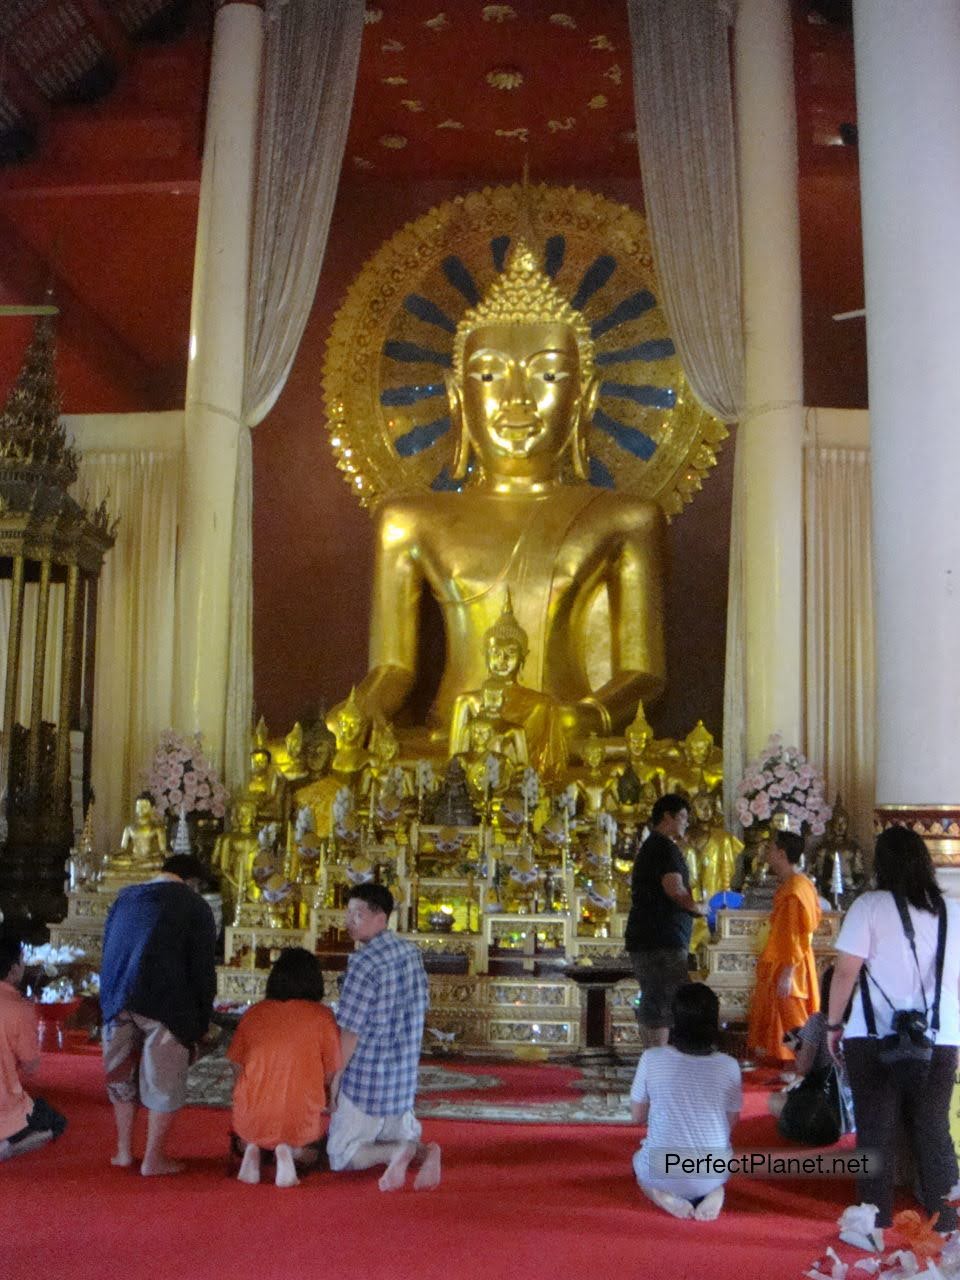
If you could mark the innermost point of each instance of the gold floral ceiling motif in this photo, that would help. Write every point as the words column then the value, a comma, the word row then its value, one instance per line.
column 391, row 342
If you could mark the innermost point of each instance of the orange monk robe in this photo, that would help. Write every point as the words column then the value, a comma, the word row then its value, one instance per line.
column 795, row 916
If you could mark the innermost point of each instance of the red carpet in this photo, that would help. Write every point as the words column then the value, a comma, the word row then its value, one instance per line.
column 530, row 1202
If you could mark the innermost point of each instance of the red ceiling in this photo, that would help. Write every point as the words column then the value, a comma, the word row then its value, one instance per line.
column 106, row 212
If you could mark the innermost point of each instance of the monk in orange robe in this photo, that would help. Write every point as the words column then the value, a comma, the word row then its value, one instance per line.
column 786, row 991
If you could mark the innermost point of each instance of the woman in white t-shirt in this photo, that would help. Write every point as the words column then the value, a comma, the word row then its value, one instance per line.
column 915, row 1094
column 689, row 1097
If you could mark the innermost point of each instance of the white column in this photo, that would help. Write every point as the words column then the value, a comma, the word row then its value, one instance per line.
column 215, row 371
column 908, row 109
column 771, row 432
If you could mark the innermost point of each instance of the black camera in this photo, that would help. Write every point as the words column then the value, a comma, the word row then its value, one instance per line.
column 908, row 1042
column 911, row 1023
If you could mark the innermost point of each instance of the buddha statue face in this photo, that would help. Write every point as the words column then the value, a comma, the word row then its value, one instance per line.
column 387, row 748
column 481, row 735
column 521, row 396
column 350, row 726
column 697, row 744
column 638, row 738
column 593, row 753
column 504, row 658
column 259, row 762
column 246, row 817
column 143, row 809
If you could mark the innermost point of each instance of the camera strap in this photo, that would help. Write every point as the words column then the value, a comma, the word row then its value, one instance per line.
column 868, row 1013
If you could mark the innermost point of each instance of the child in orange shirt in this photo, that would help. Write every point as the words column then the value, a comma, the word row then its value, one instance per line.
column 287, row 1048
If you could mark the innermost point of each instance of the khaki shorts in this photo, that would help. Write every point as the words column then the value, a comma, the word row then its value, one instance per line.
column 351, row 1128
column 144, row 1062
column 659, row 972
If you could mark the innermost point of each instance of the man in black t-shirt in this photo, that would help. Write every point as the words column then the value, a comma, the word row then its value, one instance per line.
column 661, row 918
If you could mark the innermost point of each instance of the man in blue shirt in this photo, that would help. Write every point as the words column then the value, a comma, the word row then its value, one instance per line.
column 383, row 1001
column 157, row 984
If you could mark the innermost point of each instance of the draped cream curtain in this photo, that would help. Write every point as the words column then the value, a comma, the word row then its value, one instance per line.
column 135, row 623
column 841, row 672
column 310, row 70
column 685, row 137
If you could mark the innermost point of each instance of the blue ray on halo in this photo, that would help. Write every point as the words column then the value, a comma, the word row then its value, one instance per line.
column 599, row 475
column 455, row 269
column 403, row 397
column 421, row 437
column 649, row 397
column 655, row 349
column 428, row 311
column 498, row 249
column 411, row 353
column 632, row 439
column 443, row 482
column 629, row 309
column 594, row 278
column 555, row 254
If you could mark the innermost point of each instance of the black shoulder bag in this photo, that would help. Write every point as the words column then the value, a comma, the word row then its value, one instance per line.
column 914, row 1031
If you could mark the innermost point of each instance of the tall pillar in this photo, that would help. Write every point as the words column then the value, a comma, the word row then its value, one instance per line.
column 908, row 109
column 771, row 431
column 215, row 372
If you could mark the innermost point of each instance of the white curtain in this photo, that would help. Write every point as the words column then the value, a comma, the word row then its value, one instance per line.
column 133, row 702
column 312, row 53
column 841, row 674
column 685, row 136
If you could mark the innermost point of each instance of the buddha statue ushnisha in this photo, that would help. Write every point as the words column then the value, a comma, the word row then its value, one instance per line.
column 143, row 847
column 521, row 393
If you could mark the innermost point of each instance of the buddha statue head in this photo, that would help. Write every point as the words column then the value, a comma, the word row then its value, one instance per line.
column 294, row 743
column 523, row 387
column 697, row 744
column 245, row 816
column 638, row 733
column 593, row 752
column 351, row 723
column 505, row 645
column 260, row 761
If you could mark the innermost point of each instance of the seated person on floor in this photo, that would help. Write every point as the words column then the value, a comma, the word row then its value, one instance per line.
column 287, row 1050
column 25, row 1123
column 689, row 1096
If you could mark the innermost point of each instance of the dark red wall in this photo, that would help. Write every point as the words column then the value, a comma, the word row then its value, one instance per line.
column 312, row 542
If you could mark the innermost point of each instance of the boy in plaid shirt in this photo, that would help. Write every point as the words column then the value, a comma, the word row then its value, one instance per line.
column 381, row 1010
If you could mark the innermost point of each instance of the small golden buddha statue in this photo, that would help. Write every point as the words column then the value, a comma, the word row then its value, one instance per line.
column 536, row 714
column 717, row 849
column 294, row 768
column 263, row 785
column 592, row 782
column 700, row 765
column 522, row 393
column 383, row 773
column 489, row 771
column 837, row 846
column 234, row 855
column 643, row 756
column 350, row 758
column 143, row 848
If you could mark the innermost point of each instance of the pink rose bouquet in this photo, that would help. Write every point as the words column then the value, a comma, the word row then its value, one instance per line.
column 181, row 777
column 781, row 781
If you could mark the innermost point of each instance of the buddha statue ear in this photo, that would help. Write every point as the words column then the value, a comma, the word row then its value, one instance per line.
column 461, row 457
column 579, row 452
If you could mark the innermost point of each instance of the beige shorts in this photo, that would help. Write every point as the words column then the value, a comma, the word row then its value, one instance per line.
column 351, row 1128
column 144, row 1062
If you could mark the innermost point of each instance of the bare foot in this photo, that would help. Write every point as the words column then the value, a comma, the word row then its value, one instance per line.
column 708, row 1210
column 428, row 1175
column 395, row 1173
column 161, row 1168
column 676, row 1206
column 122, row 1160
column 250, row 1165
column 286, row 1170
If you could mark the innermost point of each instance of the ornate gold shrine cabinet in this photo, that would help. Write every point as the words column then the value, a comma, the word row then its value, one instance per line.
column 51, row 551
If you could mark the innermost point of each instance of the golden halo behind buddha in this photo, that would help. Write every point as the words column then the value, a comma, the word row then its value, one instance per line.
column 401, row 328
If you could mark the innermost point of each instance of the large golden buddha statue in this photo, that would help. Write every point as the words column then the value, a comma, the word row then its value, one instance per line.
column 583, row 564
